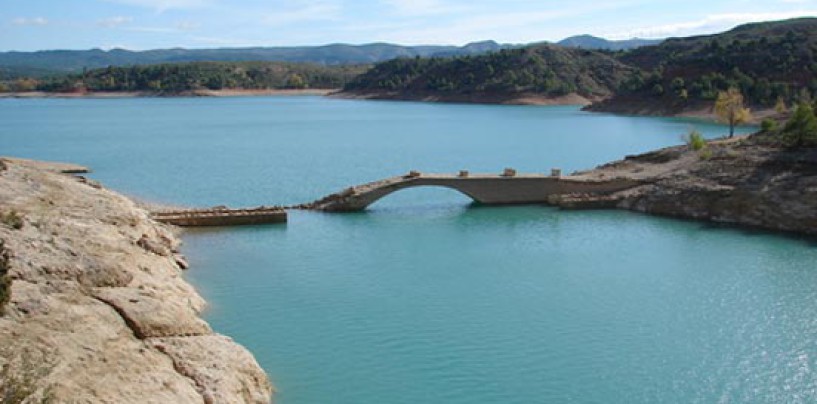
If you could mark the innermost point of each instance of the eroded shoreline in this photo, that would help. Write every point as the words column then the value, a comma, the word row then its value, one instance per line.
column 98, row 292
column 192, row 93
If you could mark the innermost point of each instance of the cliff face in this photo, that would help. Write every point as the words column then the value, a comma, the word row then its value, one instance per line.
column 744, row 181
column 98, row 293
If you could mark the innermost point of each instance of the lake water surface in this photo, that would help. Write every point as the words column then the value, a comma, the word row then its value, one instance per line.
column 425, row 298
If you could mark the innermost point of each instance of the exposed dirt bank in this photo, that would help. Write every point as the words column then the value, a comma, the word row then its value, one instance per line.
column 743, row 181
column 97, row 290
column 195, row 93
column 481, row 98
column 624, row 105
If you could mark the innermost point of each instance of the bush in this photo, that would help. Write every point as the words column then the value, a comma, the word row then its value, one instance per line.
column 801, row 129
column 12, row 219
column 695, row 140
column 768, row 126
column 21, row 373
column 5, row 279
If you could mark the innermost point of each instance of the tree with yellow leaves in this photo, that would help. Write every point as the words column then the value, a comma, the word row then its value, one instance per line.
column 780, row 107
column 729, row 108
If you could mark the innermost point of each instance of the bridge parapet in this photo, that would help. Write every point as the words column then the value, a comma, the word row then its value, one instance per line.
column 489, row 189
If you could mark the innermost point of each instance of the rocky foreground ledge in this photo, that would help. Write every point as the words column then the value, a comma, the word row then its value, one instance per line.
column 747, row 181
column 99, row 311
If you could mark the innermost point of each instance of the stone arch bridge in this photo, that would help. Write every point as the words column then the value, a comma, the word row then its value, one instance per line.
column 489, row 189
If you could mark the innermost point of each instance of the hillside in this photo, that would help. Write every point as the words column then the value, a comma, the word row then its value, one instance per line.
column 594, row 42
column 181, row 77
column 542, row 70
column 766, row 61
column 61, row 61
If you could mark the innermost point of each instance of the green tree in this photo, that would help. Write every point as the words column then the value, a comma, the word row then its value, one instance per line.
column 296, row 81
column 730, row 110
column 801, row 129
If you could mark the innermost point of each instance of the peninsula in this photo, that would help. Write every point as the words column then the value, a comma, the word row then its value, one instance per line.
column 95, row 306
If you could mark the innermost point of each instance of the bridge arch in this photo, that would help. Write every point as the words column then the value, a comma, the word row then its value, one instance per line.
column 374, row 198
column 483, row 188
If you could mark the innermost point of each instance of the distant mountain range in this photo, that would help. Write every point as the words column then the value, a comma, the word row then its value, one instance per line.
column 61, row 61
column 594, row 42
column 43, row 63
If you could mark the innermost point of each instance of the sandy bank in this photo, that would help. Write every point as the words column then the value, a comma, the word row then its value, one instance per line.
column 628, row 105
column 194, row 93
column 98, row 292
column 481, row 98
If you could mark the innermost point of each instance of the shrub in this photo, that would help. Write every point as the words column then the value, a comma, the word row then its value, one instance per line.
column 21, row 373
column 12, row 219
column 695, row 140
column 5, row 279
column 801, row 129
column 768, row 126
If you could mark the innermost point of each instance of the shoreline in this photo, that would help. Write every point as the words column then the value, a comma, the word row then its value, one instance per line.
column 486, row 99
column 746, row 181
column 99, row 305
column 192, row 93
column 592, row 104
column 695, row 110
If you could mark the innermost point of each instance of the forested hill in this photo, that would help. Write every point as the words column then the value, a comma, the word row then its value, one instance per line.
column 62, row 61
column 766, row 61
column 182, row 77
column 546, row 70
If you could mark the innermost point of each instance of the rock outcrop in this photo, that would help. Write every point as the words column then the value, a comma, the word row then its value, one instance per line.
column 747, row 181
column 98, row 292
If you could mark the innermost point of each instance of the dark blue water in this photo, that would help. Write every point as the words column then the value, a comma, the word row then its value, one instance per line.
column 425, row 298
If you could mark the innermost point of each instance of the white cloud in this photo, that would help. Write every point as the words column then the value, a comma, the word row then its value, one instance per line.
column 413, row 8
column 313, row 11
column 507, row 26
column 221, row 42
column 187, row 25
column 114, row 22
column 153, row 30
column 30, row 21
column 709, row 24
column 179, row 27
column 162, row 5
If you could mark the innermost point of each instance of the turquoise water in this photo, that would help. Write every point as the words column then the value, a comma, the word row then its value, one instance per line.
column 425, row 298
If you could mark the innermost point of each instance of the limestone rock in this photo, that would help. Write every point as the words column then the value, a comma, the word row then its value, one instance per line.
column 94, row 281
column 223, row 371
column 153, row 316
column 747, row 181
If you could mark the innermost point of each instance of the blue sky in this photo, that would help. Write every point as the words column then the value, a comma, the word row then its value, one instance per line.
column 147, row 24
